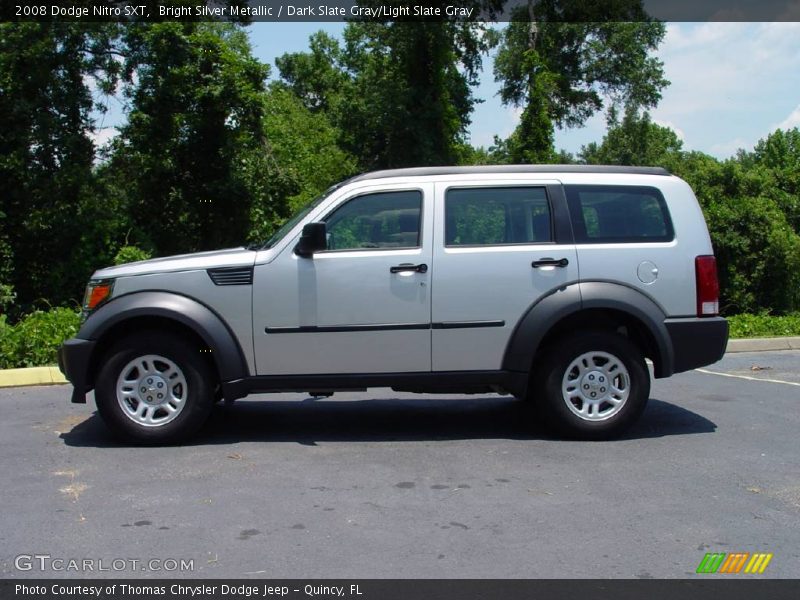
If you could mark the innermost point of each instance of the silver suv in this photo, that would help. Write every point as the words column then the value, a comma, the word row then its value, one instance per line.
column 550, row 283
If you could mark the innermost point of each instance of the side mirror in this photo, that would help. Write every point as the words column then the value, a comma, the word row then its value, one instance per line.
column 313, row 239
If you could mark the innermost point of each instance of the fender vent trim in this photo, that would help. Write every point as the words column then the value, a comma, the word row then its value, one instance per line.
column 231, row 275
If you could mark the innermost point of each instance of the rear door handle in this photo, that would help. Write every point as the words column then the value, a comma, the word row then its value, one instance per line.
column 409, row 267
column 550, row 262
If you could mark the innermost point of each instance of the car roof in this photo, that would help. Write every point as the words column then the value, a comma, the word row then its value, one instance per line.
column 500, row 169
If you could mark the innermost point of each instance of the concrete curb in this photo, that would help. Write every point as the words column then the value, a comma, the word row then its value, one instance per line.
column 763, row 344
column 52, row 376
column 32, row 376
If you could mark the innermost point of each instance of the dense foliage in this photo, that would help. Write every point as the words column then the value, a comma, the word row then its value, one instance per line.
column 35, row 339
column 399, row 93
column 209, row 156
column 52, row 221
column 193, row 153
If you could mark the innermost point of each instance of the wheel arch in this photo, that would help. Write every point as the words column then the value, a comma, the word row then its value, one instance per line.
column 591, row 305
column 165, row 311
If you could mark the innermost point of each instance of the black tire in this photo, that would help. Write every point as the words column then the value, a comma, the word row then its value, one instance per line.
column 197, row 397
column 552, row 403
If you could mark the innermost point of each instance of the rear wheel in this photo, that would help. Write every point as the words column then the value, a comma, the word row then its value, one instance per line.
column 591, row 385
column 154, row 388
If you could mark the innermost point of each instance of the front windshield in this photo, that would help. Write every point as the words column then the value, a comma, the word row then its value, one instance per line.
column 298, row 216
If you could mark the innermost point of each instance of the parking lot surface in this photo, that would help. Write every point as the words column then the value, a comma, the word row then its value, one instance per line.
column 390, row 485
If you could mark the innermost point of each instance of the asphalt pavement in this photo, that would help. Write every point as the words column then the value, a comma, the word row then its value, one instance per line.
column 388, row 485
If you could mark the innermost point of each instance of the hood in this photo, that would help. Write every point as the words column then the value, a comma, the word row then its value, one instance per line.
column 232, row 257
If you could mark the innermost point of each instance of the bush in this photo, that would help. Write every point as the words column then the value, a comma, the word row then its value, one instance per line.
column 129, row 254
column 34, row 340
column 747, row 325
column 7, row 296
column 758, row 254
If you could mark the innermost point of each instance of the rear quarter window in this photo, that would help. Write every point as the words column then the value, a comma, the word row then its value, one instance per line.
column 610, row 214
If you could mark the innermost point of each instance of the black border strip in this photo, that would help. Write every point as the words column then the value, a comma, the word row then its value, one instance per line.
column 246, row 11
column 701, row 587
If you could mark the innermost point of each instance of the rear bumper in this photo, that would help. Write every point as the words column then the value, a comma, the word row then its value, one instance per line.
column 697, row 342
column 73, row 360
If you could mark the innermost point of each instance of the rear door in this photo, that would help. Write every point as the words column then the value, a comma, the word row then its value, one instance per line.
column 499, row 247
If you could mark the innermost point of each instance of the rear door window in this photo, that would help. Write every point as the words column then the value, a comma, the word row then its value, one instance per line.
column 497, row 216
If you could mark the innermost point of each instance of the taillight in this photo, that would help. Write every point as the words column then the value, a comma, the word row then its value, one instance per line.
column 705, row 269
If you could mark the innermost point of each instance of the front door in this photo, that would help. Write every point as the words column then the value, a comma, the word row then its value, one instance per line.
column 362, row 305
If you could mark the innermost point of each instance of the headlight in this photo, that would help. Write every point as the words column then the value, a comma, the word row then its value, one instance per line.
column 98, row 292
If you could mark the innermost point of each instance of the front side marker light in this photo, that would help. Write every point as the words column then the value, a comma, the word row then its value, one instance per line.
column 97, row 292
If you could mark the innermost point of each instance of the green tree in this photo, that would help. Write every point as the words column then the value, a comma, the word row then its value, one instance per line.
column 49, row 204
column 758, row 254
column 635, row 141
column 564, row 60
column 7, row 293
column 400, row 93
column 193, row 158
column 777, row 157
column 318, row 77
column 305, row 145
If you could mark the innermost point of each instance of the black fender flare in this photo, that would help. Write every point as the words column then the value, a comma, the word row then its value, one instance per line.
column 548, row 311
column 207, row 324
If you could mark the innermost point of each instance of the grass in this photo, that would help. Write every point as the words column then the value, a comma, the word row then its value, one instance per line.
column 749, row 326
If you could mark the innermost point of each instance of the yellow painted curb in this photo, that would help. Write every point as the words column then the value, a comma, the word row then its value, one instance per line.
column 32, row 376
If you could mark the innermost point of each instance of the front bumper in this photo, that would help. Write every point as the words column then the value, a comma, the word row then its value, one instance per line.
column 697, row 342
column 73, row 360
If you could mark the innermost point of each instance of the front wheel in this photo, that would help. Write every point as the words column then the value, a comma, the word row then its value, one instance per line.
column 154, row 388
column 592, row 385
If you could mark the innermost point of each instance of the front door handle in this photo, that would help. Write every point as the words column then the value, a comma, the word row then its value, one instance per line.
column 550, row 262
column 408, row 267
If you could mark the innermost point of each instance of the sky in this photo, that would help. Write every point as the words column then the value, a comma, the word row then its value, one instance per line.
column 731, row 84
